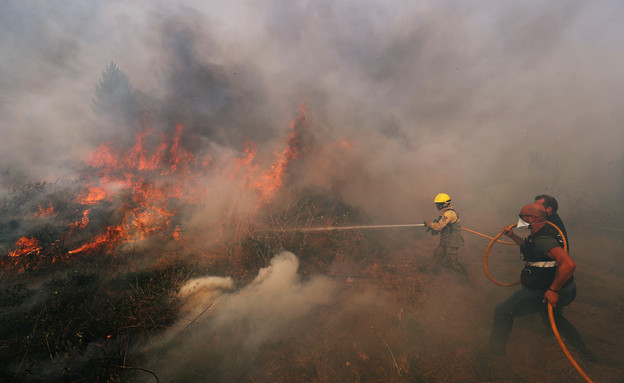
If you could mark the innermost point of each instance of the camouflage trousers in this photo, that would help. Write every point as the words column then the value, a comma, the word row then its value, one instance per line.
column 447, row 257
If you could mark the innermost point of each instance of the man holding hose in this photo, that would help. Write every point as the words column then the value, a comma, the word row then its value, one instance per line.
column 547, row 277
column 451, row 239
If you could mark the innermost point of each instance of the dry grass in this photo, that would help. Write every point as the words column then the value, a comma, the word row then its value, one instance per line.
column 387, row 321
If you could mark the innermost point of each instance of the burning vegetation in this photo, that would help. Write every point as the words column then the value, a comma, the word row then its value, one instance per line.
column 92, row 264
column 164, row 261
column 126, row 197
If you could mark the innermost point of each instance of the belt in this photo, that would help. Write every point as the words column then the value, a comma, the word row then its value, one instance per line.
column 542, row 264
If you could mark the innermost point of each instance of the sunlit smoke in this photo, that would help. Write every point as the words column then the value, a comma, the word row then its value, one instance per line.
column 272, row 307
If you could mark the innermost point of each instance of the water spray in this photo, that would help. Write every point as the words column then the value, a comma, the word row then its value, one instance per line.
column 329, row 228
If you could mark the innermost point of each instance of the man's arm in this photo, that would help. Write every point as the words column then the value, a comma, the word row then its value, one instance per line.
column 565, row 269
column 508, row 231
column 449, row 216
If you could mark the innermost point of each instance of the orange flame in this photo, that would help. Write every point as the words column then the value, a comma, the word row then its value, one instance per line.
column 42, row 212
column 152, row 213
column 271, row 181
column 91, row 196
column 108, row 239
column 149, row 213
column 25, row 246
column 155, row 177
column 345, row 144
column 150, row 210
column 81, row 224
column 103, row 157
column 179, row 156
column 136, row 155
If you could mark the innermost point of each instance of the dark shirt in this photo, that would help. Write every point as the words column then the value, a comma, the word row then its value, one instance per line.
column 536, row 248
column 555, row 219
column 537, row 245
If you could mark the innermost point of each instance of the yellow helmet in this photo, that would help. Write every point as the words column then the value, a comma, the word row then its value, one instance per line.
column 442, row 198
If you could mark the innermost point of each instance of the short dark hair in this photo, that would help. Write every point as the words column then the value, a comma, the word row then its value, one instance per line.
column 549, row 201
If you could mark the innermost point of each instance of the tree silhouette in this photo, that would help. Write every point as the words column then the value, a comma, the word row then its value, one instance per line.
column 114, row 95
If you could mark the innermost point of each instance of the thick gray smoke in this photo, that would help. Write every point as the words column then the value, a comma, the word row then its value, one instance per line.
column 491, row 103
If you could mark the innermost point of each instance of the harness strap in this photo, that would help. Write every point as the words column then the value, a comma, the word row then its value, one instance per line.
column 542, row 264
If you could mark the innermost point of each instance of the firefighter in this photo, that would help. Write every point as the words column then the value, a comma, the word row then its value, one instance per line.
column 547, row 277
column 451, row 239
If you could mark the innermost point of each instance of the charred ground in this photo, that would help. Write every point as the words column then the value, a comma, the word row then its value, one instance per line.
column 104, row 317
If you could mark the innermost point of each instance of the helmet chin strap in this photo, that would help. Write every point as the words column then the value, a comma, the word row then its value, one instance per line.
column 443, row 206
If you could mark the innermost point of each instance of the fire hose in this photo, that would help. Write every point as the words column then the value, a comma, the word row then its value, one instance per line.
column 329, row 228
column 487, row 236
column 551, row 315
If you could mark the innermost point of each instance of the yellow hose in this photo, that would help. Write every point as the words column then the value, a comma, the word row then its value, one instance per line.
column 487, row 236
column 563, row 347
column 551, row 316
column 487, row 253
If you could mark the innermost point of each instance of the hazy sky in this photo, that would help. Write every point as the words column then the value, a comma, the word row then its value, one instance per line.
column 484, row 100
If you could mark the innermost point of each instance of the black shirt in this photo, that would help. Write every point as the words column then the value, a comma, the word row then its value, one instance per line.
column 555, row 219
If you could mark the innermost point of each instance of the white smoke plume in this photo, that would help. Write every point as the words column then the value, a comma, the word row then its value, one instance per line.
column 276, row 305
column 198, row 291
column 273, row 304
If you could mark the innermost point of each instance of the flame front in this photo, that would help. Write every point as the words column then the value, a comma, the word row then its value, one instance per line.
column 145, row 180
column 91, row 196
column 271, row 181
column 147, row 185
column 25, row 246
column 42, row 212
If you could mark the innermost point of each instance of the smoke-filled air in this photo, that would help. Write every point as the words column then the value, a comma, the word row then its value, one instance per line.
column 236, row 191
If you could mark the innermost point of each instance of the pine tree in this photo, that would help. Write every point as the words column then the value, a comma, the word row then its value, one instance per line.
column 114, row 96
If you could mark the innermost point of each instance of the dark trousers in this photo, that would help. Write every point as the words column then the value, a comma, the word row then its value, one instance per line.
column 526, row 302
